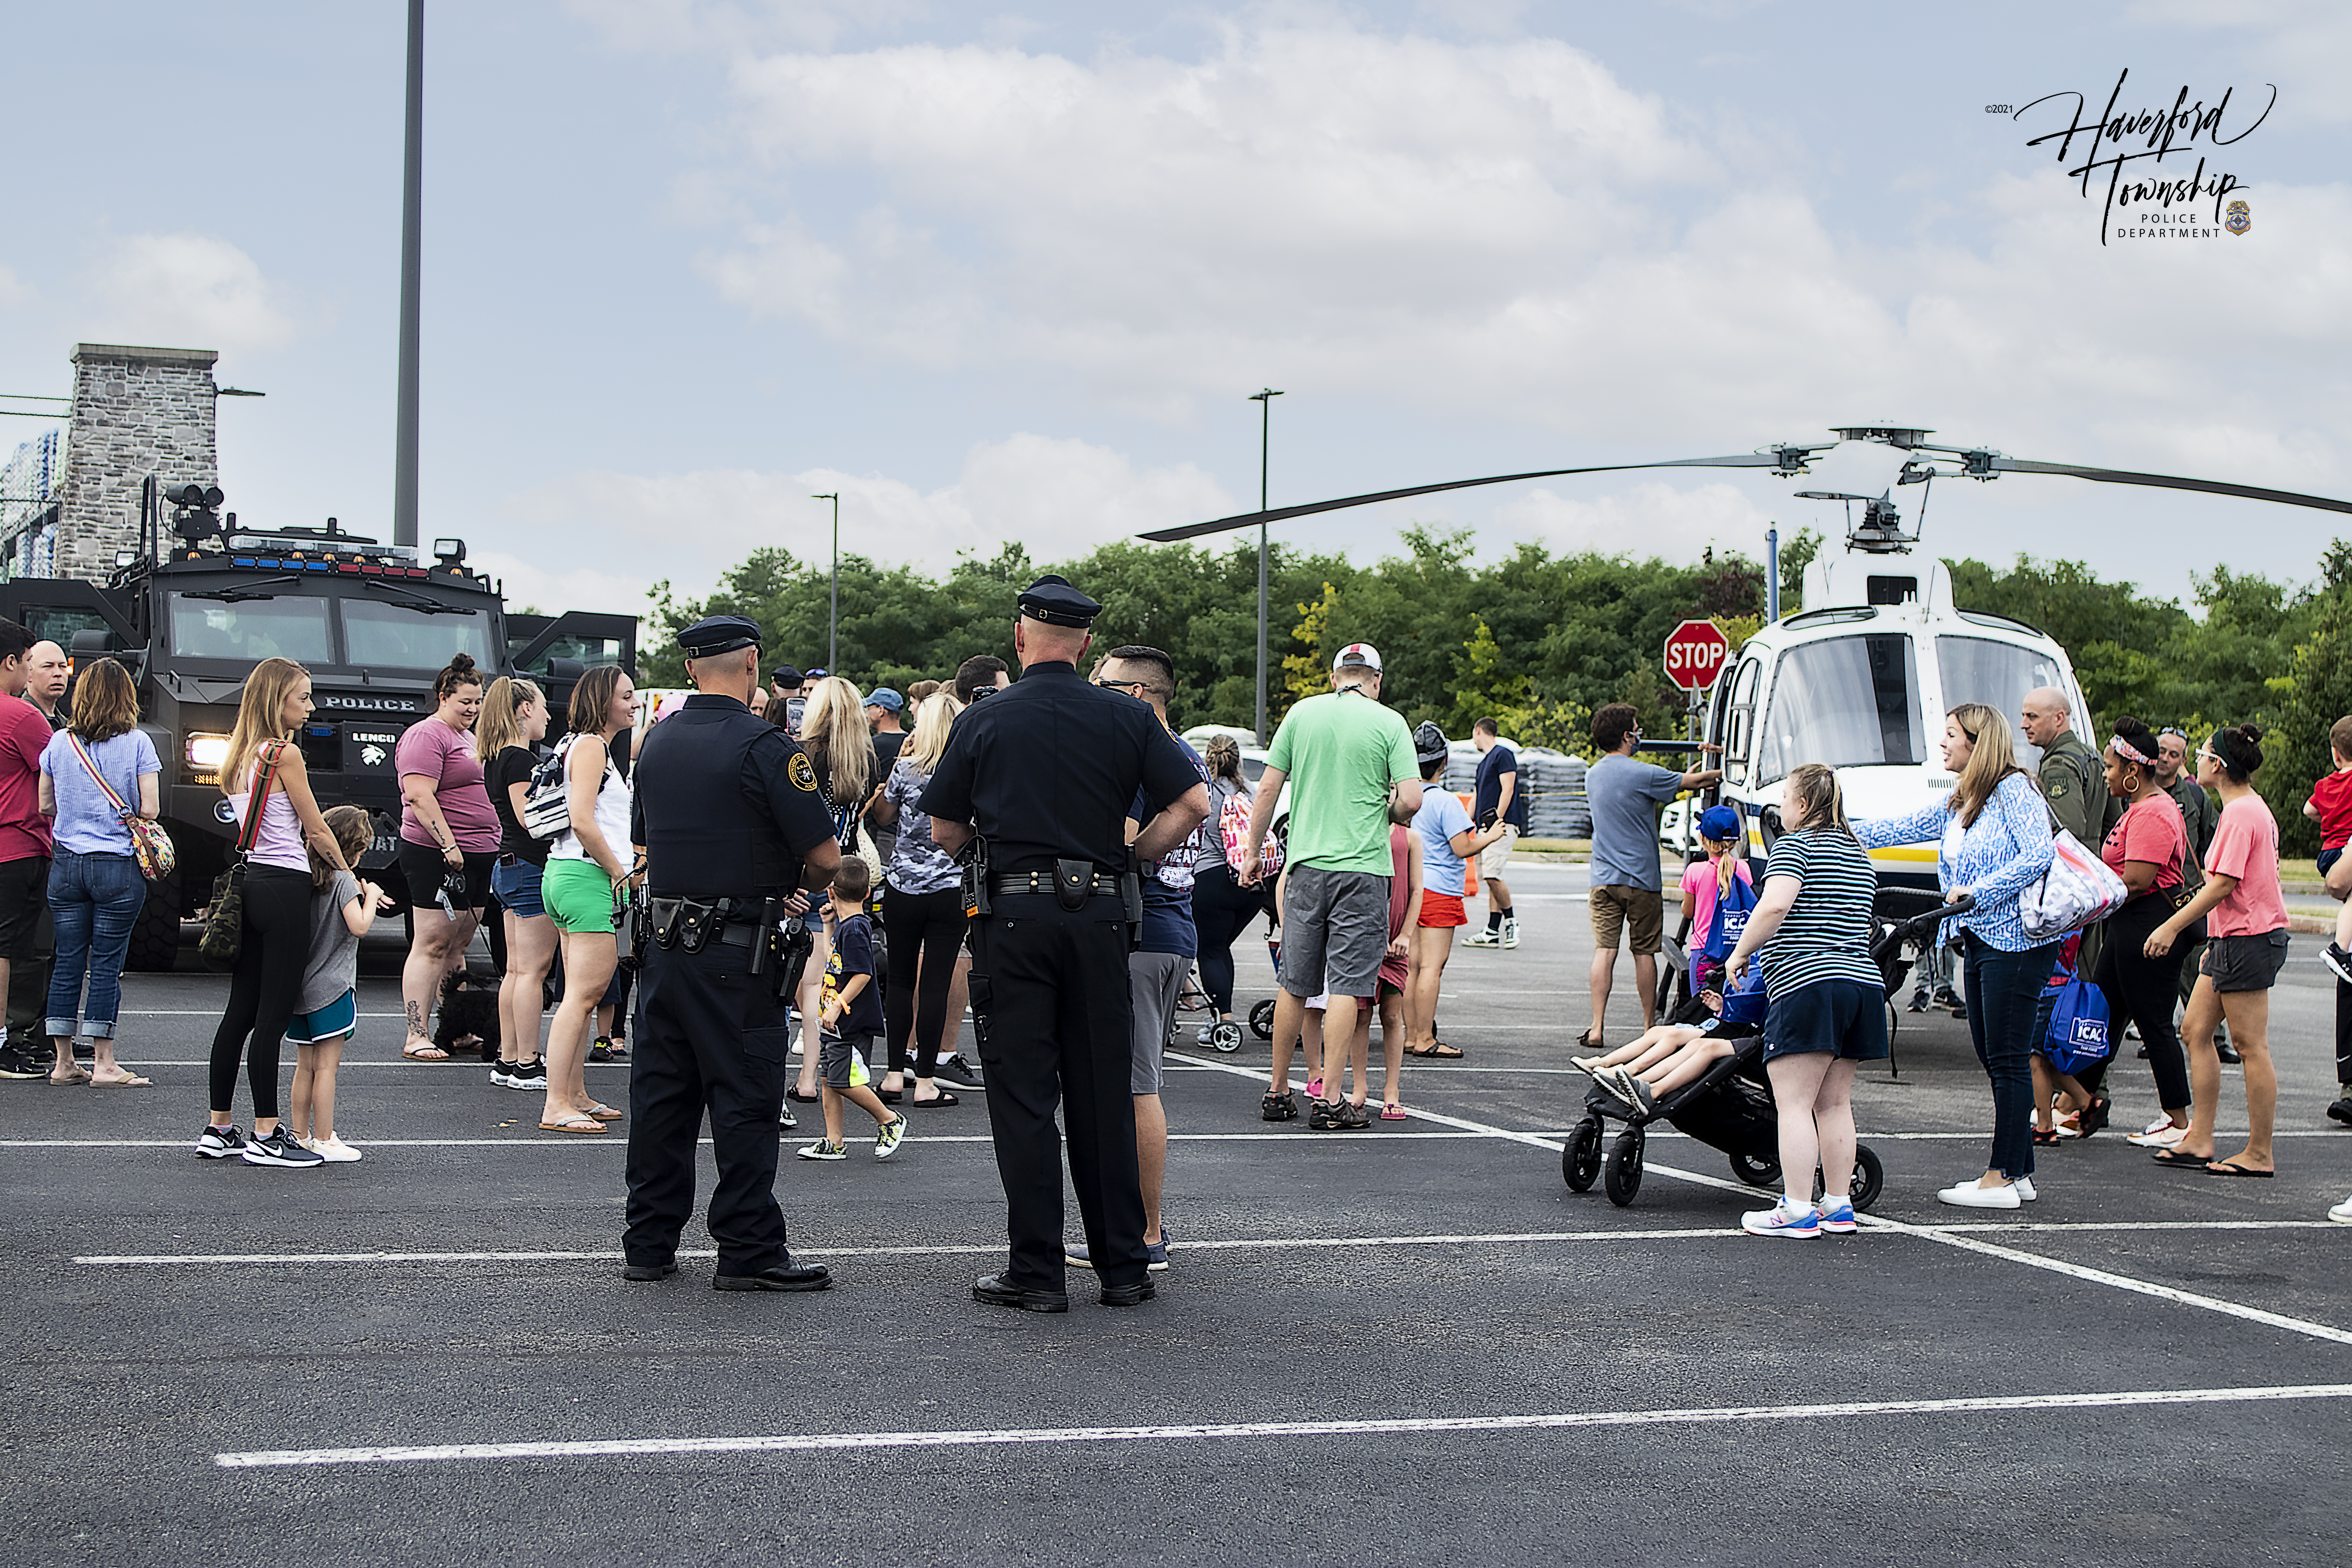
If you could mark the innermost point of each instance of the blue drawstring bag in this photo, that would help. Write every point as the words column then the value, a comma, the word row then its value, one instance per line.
column 1746, row 1004
column 2078, row 1025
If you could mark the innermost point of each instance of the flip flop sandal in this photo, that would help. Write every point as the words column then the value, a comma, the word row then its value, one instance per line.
column 77, row 1076
column 603, row 1112
column 1437, row 1049
column 942, row 1098
column 1591, row 1041
column 795, row 1093
column 1392, row 1111
column 129, row 1080
column 2179, row 1161
column 425, row 1054
column 576, row 1124
column 2230, row 1168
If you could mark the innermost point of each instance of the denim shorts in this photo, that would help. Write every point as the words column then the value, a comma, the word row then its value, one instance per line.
column 517, row 886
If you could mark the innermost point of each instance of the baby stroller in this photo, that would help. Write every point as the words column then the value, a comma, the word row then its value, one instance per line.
column 1730, row 1107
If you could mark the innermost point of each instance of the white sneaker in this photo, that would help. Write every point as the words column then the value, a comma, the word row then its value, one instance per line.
column 2023, row 1187
column 1484, row 938
column 1206, row 1031
column 333, row 1150
column 1511, row 931
column 2342, row 1213
column 1969, row 1195
column 2159, row 1134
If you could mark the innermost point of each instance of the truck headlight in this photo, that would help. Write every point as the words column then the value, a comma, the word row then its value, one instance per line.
column 207, row 751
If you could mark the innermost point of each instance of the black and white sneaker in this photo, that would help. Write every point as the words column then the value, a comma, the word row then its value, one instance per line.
column 220, row 1142
column 502, row 1072
column 958, row 1073
column 2338, row 962
column 531, row 1074
column 17, row 1062
column 278, row 1148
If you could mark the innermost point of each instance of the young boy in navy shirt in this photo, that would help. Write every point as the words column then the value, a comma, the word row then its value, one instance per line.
column 852, row 1019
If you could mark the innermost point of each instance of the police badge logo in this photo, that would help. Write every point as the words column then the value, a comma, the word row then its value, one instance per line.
column 804, row 774
column 2240, row 219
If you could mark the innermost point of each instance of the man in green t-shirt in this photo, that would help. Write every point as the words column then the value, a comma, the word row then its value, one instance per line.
column 1350, row 768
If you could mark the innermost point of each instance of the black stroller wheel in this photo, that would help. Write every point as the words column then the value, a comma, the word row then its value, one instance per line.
column 1226, row 1038
column 1262, row 1019
column 1869, row 1177
column 1756, row 1172
column 1580, row 1160
column 1621, row 1173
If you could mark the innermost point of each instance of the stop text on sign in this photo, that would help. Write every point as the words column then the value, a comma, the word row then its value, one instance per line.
column 1696, row 654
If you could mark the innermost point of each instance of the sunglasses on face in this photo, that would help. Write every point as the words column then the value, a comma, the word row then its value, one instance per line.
column 1132, row 688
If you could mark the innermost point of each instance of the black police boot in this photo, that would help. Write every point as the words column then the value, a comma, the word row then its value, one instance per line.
column 661, row 1270
column 1133, row 1294
column 786, row 1276
column 994, row 1289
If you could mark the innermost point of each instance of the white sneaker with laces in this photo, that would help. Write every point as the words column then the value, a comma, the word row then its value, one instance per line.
column 334, row 1150
column 1511, row 931
column 2159, row 1134
column 1484, row 938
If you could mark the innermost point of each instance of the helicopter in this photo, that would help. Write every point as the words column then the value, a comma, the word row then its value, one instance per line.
column 1878, row 647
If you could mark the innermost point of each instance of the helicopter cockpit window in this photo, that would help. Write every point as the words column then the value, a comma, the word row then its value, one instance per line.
column 1997, row 674
column 250, row 629
column 1849, row 701
column 388, row 634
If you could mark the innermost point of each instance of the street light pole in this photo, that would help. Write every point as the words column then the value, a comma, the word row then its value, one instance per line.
column 412, row 208
column 1265, row 401
column 833, row 624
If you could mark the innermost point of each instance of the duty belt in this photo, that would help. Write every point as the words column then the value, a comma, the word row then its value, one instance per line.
column 1016, row 882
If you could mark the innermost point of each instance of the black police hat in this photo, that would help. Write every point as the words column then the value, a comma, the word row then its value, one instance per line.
column 1052, row 600
column 719, row 634
column 785, row 674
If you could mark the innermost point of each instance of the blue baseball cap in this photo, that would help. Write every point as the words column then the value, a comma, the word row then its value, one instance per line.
column 1720, row 823
column 883, row 696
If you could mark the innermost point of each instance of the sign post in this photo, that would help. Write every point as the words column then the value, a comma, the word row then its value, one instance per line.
column 1695, row 653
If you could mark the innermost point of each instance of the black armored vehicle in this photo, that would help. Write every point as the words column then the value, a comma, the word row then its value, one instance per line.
column 202, row 600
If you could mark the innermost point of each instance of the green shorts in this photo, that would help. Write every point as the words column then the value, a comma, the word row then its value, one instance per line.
column 578, row 895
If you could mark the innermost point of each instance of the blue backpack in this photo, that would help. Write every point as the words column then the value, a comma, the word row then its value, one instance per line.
column 2078, row 1024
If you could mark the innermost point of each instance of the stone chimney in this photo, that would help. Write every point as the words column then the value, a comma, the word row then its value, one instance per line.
column 136, row 412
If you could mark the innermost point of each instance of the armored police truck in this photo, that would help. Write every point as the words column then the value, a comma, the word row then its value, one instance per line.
column 202, row 600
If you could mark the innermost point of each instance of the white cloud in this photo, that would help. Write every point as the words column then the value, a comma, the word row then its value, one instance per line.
column 189, row 290
column 14, row 291
column 601, row 539
column 680, row 25
column 1651, row 517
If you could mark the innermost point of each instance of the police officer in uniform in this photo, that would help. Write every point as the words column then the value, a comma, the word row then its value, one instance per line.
column 735, row 836
column 1043, row 775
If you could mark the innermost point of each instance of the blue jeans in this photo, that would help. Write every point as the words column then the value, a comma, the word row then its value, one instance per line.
column 94, row 901
column 2004, row 996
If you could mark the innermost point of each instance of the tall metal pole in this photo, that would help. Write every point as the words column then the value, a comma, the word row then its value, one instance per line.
column 1772, row 573
column 1265, row 401
column 833, row 625
column 412, row 211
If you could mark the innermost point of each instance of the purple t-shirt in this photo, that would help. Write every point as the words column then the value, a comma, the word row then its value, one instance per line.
column 445, row 756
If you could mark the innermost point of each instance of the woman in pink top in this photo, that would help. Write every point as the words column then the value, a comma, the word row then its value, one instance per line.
column 2246, row 948
column 448, row 845
column 276, row 942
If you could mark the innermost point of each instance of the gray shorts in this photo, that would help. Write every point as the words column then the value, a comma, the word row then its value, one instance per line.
column 833, row 1056
column 1154, row 981
column 1335, row 928
column 2247, row 962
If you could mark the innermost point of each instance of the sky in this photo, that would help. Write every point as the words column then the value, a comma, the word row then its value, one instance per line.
column 1012, row 273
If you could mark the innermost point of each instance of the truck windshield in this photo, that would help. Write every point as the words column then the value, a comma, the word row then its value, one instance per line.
column 1997, row 674
column 250, row 629
column 1848, row 702
column 387, row 635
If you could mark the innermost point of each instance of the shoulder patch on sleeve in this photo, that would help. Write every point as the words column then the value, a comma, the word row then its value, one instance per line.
column 2057, row 789
column 804, row 772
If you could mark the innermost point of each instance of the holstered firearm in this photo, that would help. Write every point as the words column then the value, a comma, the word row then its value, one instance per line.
column 794, row 944
column 975, row 878
column 1131, row 897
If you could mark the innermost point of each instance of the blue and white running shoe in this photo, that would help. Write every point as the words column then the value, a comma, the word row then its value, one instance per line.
column 1838, row 1219
column 1803, row 1225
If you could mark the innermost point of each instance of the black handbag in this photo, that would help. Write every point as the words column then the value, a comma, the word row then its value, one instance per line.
column 223, row 937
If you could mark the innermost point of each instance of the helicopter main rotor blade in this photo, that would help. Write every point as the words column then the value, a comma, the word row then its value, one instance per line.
column 1249, row 519
column 2170, row 481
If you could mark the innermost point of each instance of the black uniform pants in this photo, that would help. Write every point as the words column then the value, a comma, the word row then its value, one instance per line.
column 713, row 1038
column 1054, row 986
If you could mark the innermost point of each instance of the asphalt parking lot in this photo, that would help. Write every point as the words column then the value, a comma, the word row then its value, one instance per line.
column 1413, row 1344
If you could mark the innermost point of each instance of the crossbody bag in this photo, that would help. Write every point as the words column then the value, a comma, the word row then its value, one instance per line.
column 223, row 937
column 149, row 845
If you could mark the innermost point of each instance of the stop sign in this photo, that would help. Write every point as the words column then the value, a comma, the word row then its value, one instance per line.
column 1696, row 652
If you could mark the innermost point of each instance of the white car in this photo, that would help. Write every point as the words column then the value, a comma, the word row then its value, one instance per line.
column 1676, row 822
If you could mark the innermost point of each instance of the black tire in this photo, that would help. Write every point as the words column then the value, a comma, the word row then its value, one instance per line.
column 155, row 940
column 1262, row 1019
column 1869, row 1178
column 1621, row 1173
column 1754, row 1172
column 1579, row 1159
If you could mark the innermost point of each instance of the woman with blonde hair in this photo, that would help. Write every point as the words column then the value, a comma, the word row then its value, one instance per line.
column 590, row 867
column 264, row 772
column 506, row 736
column 1992, row 842
column 923, row 909
column 101, row 763
column 839, row 740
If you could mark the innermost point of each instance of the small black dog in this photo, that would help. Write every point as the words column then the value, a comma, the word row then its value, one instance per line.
column 469, row 1010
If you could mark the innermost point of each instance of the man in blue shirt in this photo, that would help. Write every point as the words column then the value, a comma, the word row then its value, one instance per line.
column 1499, row 801
column 1628, row 893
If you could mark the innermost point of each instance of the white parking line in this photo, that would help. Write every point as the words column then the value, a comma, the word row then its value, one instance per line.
column 618, row 1140
column 267, row 1458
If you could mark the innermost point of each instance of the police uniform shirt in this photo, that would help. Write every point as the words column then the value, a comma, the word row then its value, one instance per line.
column 1045, row 770
column 706, row 849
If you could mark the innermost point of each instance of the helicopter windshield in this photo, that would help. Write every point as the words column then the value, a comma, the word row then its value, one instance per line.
column 1997, row 674
column 1848, row 702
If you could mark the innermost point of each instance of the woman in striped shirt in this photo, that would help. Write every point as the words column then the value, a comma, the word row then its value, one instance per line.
column 1992, row 837
column 1828, row 999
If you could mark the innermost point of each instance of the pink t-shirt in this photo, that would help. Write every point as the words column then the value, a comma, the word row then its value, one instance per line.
column 2151, row 831
column 445, row 756
column 2245, row 846
column 24, row 736
column 1702, row 882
